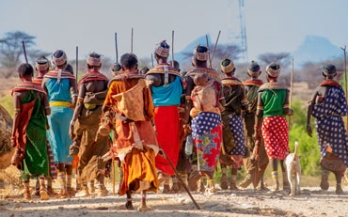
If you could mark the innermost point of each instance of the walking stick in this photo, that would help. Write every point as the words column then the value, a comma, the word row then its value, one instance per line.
column 113, row 176
column 77, row 63
column 291, row 88
column 173, row 48
column 132, row 41
column 179, row 177
column 217, row 39
column 152, row 60
column 209, row 59
column 116, row 48
column 24, row 51
column 345, row 79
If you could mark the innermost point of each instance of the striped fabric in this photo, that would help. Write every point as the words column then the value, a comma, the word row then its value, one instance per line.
column 53, row 169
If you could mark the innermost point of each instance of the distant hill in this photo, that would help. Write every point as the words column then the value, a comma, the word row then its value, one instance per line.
column 312, row 49
column 315, row 49
column 181, row 57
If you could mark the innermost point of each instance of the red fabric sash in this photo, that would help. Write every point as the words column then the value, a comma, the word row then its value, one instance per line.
column 256, row 82
column 330, row 83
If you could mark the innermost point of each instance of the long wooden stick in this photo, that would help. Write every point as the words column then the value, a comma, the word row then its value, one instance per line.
column 25, row 52
column 209, row 59
column 180, row 179
column 291, row 87
column 116, row 48
column 113, row 173
column 132, row 34
column 345, row 78
column 77, row 63
column 152, row 60
column 173, row 48
column 217, row 39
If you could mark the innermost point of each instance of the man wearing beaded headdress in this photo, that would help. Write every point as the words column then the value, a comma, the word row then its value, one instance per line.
column 236, row 102
column 60, row 86
column 272, row 106
column 42, row 66
column 254, row 165
column 135, row 144
column 88, row 145
column 206, row 125
column 327, row 106
column 166, row 88
column 29, row 130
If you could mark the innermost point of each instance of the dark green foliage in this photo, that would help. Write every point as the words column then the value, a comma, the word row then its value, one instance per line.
column 308, row 146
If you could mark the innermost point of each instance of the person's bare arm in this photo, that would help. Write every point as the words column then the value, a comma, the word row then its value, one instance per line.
column 309, row 114
column 46, row 104
column 77, row 110
column 258, row 116
column 287, row 110
column 73, row 91
column 188, row 101
column 79, row 104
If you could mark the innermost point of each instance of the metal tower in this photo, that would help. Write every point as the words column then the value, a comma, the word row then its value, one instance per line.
column 243, row 36
column 237, row 27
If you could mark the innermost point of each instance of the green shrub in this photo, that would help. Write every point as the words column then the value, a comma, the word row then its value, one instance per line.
column 308, row 146
column 7, row 103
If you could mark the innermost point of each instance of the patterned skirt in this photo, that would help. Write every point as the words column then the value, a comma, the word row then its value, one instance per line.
column 207, row 138
column 275, row 133
column 331, row 132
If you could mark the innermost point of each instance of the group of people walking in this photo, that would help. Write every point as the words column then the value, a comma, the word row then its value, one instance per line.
column 145, row 119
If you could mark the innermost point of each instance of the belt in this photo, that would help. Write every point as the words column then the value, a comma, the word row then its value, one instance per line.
column 61, row 103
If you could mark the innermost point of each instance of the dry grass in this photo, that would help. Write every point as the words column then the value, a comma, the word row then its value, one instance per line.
column 12, row 183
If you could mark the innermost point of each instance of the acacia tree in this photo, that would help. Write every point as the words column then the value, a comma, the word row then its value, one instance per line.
column 11, row 51
column 282, row 58
column 11, row 47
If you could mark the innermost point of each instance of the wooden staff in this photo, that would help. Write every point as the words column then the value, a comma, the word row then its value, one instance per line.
column 173, row 48
column 132, row 41
column 24, row 51
column 291, row 87
column 116, row 48
column 345, row 78
column 113, row 173
column 217, row 39
column 152, row 60
column 179, row 177
column 77, row 63
column 209, row 59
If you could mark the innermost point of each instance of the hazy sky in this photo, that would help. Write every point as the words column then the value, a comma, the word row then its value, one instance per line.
column 271, row 25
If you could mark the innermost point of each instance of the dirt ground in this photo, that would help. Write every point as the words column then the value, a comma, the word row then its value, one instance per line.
column 246, row 202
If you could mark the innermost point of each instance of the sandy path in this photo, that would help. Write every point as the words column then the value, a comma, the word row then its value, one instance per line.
column 312, row 202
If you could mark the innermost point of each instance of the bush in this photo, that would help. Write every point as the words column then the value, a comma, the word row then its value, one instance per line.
column 308, row 146
column 7, row 103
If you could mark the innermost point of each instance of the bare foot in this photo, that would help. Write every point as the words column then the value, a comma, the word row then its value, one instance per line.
column 129, row 205
column 143, row 208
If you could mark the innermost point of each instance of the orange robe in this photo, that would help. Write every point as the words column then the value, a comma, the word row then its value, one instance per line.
column 138, row 166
